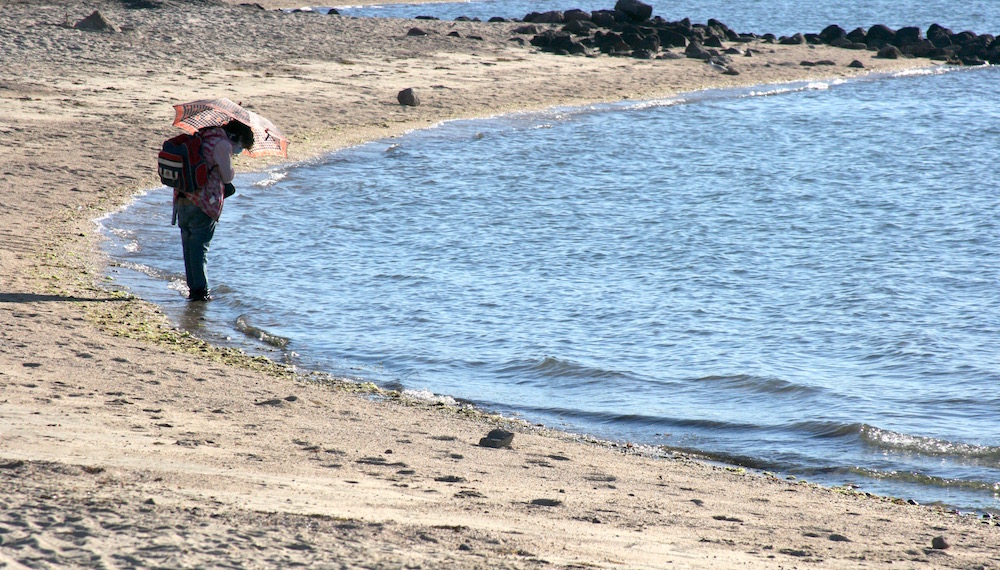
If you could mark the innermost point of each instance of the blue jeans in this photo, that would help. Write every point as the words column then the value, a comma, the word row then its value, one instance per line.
column 197, row 230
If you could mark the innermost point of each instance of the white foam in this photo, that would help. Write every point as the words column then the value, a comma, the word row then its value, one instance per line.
column 923, row 71
column 431, row 397
column 794, row 88
column 657, row 103
column 272, row 178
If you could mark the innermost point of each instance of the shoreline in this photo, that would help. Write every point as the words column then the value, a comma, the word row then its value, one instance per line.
column 256, row 347
column 113, row 414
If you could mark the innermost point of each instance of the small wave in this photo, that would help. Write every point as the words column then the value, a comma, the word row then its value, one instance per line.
column 770, row 92
column 758, row 384
column 430, row 397
column 895, row 441
column 928, row 480
column 634, row 420
column 812, row 86
column 552, row 367
column 244, row 326
column 271, row 179
column 828, row 430
column 656, row 103
column 146, row 270
column 817, row 86
column 939, row 70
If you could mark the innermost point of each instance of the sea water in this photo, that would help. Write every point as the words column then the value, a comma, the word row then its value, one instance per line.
column 780, row 17
column 801, row 279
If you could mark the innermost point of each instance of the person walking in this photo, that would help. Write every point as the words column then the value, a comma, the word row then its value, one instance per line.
column 197, row 214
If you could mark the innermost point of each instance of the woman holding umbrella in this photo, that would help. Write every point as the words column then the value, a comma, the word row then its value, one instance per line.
column 198, row 213
column 226, row 129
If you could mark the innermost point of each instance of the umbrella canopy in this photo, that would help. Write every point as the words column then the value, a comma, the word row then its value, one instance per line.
column 267, row 139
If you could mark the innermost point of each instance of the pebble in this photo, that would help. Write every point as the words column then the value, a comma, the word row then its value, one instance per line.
column 546, row 502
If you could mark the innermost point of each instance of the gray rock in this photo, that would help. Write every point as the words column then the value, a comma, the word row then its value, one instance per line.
column 695, row 50
column 890, row 52
column 528, row 30
column 636, row 10
column 939, row 543
column 497, row 438
column 96, row 22
column 408, row 97
column 546, row 502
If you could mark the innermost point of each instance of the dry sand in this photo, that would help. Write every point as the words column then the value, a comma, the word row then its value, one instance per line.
column 127, row 443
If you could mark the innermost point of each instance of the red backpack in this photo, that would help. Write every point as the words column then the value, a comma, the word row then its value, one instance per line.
column 181, row 165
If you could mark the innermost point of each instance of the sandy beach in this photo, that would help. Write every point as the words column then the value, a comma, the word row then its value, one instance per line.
column 125, row 442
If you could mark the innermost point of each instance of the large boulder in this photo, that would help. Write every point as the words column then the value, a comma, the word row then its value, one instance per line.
column 529, row 29
column 978, row 48
column 579, row 27
column 832, row 33
column 880, row 35
column 633, row 38
column 603, row 18
column 650, row 43
column 637, row 11
column 671, row 38
column 721, row 30
column 939, row 35
column 963, row 38
column 890, row 52
column 696, row 34
column 793, row 40
column 858, row 36
column 550, row 17
column 611, row 43
column 908, row 36
column 713, row 41
column 558, row 42
column 695, row 50
column 993, row 55
column 922, row 48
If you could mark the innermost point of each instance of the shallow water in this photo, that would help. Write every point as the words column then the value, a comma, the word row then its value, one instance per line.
column 802, row 279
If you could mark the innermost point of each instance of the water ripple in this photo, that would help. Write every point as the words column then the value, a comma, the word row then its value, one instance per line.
column 760, row 279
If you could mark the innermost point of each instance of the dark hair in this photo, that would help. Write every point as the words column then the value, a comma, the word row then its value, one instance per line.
column 241, row 132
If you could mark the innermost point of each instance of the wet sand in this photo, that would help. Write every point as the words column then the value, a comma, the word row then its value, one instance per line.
column 127, row 442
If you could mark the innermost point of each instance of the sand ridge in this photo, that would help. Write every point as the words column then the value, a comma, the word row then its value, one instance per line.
column 126, row 442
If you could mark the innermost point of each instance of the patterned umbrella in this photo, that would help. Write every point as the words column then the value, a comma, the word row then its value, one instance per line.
column 267, row 139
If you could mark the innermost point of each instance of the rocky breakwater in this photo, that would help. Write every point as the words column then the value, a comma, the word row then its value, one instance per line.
column 631, row 30
column 940, row 43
